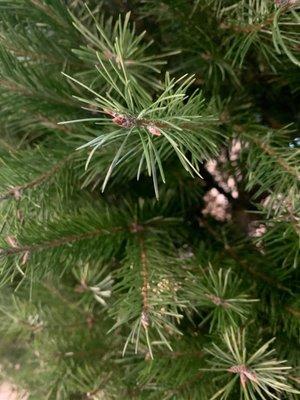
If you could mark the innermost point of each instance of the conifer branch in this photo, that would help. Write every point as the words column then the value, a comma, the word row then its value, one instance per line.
column 58, row 242
column 276, row 157
column 181, row 123
column 13, row 87
column 57, row 293
column 48, row 11
column 258, row 371
column 17, row 190
column 76, row 265
column 29, row 91
column 153, row 126
column 251, row 28
column 16, row 52
column 145, row 285
column 293, row 311
column 256, row 273
column 180, row 389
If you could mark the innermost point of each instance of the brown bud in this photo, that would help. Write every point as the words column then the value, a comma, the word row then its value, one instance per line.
column 123, row 120
column 16, row 193
column 11, row 241
column 25, row 257
column 134, row 228
column 154, row 130
column 145, row 319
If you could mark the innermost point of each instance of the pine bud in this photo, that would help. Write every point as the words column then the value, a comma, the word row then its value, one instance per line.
column 16, row 193
column 154, row 130
column 124, row 121
column 245, row 374
column 25, row 257
column 11, row 241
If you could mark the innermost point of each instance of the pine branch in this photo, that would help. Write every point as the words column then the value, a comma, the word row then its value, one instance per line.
column 41, row 6
column 17, row 190
column 57, row 242
column 181, row 389
column 293, row 311
column 57, row 293
column 257, row 373
column 76, row 266
column 174, row 124
column 274, row 168
column 255, row 24
column 249, row 268
column 218, row 292
column 294, row 172
column 251, row 28
column 31, row 92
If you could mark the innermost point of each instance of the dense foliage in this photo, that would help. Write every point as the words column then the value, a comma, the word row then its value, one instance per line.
column 122, row 126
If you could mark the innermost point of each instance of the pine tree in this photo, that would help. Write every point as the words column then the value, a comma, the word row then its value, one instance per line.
column 121, row 123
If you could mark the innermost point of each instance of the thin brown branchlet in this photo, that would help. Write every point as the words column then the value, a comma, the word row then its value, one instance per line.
column 127, row 121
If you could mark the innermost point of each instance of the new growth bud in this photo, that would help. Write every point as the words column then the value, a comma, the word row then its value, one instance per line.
column 154, row 130
column 126, row 121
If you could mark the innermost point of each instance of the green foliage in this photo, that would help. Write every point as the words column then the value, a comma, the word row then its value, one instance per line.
column 258, row 372
column 126, row 293
column 175, row 125
column 119, row 45
column 259, row 24
column 221, row 292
